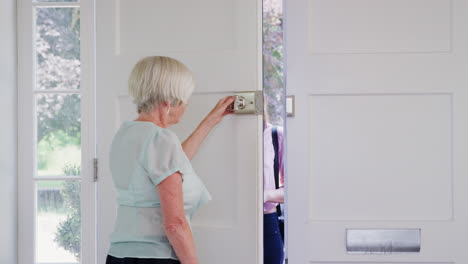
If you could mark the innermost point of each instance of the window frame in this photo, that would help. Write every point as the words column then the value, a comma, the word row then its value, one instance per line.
column 27, row 129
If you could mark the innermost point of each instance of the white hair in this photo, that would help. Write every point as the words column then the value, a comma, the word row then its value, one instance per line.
column 157, row 79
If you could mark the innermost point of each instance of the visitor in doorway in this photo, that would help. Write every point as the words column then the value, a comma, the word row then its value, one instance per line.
column 273, row 183
column 157, row 188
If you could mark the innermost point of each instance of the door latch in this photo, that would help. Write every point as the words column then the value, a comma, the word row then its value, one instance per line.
column 248, row 103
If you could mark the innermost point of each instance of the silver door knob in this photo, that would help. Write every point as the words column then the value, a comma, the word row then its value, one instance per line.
column 239, row 103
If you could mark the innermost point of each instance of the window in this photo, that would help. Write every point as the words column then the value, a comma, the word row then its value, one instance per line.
column 56, row 141
column 273, row 60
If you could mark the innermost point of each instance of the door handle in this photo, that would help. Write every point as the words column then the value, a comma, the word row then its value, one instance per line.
column 240, row 103
column 248, row 103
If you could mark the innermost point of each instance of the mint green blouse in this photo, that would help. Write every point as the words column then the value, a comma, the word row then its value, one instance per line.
column 142, row 155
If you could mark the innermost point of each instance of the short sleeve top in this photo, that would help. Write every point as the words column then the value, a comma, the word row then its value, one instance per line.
column 142, row 155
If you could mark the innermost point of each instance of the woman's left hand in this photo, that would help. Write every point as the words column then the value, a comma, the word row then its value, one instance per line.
column 221, row 109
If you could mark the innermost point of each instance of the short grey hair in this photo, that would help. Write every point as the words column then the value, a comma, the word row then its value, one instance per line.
column 158, row 79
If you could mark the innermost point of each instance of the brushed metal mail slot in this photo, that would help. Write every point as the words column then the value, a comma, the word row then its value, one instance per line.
column 383, row 241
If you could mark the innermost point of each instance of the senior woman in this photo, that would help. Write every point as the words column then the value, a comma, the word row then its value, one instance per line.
column 157, row 189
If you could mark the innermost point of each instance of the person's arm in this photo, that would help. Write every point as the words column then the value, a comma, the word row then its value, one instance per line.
column 274, row 196
column 193, row 142
column 174, row 222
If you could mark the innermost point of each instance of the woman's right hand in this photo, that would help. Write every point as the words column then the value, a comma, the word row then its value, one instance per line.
column 221, row 109
column 193, row 142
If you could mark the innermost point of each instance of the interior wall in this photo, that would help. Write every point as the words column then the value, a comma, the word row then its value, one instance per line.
column 8, row 133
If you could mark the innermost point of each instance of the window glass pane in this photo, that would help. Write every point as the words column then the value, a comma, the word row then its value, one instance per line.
column 58, row 220
column 58, row 133
column 58, row 63
column 273, row 65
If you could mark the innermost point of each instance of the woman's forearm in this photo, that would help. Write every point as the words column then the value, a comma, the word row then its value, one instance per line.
column 180, row 235
column 175, row 224
column 193, row 142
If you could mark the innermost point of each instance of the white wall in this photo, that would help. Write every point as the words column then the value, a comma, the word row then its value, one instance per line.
column 8, row 132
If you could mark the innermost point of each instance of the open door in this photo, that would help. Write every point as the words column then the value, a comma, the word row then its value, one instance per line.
column 378, row 147
column 220, row 41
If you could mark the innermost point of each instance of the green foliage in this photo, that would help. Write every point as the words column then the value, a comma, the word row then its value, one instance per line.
column 68, row 234
column 54, row 140
column 59, row 29
column 58, row 114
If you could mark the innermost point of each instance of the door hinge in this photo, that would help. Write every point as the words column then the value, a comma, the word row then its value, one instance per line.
column 95, row 169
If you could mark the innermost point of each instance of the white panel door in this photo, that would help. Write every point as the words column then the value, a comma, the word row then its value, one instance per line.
column 379, row 139
column 220, row 41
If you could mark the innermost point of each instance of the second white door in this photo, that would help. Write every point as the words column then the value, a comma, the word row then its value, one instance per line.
column 379, row 141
